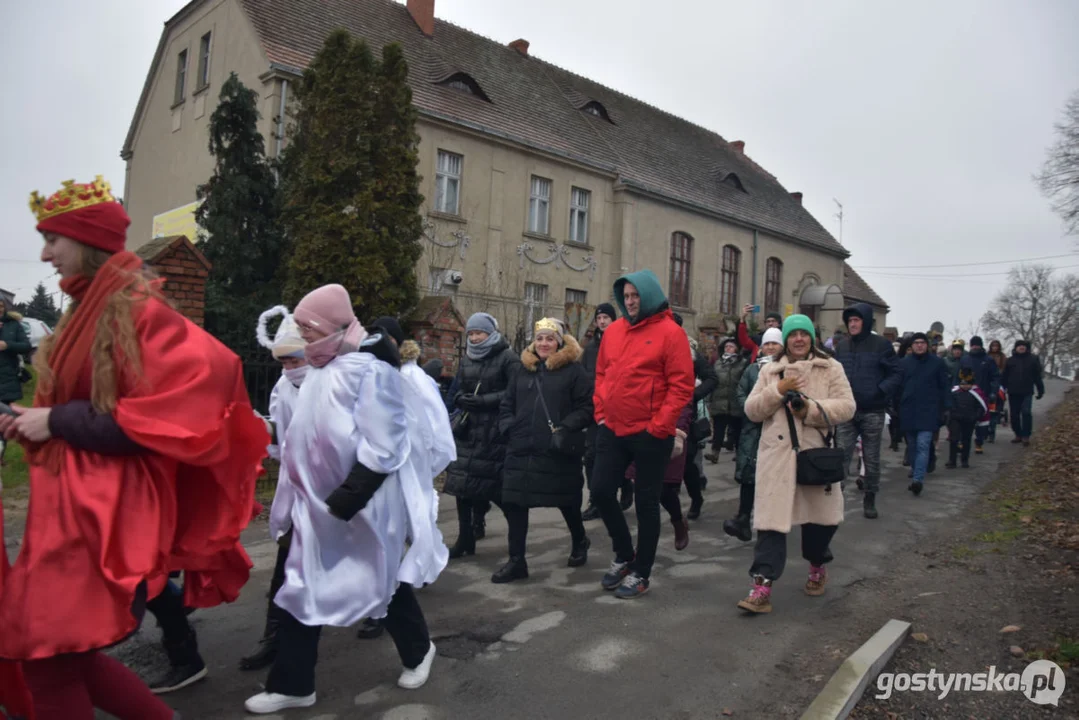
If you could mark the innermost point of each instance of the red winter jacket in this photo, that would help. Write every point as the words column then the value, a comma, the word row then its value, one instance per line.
column 644, row 376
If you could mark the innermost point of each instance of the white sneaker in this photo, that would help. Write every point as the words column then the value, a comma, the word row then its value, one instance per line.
column 416, row 677
column 265, row 703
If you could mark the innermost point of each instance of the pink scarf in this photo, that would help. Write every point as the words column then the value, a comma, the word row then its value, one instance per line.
column 321, row 352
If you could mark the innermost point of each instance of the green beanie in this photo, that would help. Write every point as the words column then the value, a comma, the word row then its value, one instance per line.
column 798, row 322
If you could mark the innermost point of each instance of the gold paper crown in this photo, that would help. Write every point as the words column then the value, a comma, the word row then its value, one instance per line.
column 71, row 197
column 549, row 324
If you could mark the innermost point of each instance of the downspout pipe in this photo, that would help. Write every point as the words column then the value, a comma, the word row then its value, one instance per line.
column 281, row 119
column 753, row 284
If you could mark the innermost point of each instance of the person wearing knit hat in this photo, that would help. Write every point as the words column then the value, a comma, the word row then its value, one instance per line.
column 969, row 409
column 549, row 401
column 987, row 378
column 745, row 471
column 287, row 347
column 723, row 404
column 391, row 327
column 475, row 478
column 119, row 398
column 1022, row 377
column 797, row 394
column 922, row 402
column 350, row 538
column 605, row 315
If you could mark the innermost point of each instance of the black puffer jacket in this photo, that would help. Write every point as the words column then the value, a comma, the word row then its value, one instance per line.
column 477, row 471
column 1023, row 373
column 534, row 476
column 14, row 334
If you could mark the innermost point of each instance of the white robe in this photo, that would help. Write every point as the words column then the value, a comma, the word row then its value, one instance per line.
column 282, row 405
column 433, row 449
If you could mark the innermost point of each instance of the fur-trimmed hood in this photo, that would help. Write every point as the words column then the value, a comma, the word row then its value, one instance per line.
column 570, row 352
column 410, row 351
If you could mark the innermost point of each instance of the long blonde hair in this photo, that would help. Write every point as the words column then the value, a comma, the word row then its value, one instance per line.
column 115, row 340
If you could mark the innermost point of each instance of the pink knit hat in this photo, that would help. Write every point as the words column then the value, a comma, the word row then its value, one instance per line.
column 329, row 310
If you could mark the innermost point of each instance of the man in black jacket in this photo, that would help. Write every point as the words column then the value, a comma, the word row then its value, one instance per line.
column 707, row 381
column 605, row 315
column 1022, row 376
column 987, row 378
column 873, row 372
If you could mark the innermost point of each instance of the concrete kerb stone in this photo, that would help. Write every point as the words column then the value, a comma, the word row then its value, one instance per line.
column 845, row 688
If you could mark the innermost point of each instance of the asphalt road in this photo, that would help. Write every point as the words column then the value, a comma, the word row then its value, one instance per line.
column 557, row 646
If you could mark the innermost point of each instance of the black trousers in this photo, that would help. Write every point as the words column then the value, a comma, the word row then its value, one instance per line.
column 517, row 519
column 469, row 511
column 613, row 456
column 960, row 431
column 692, row 475
column 770, row 554
column 293, row 671
column 168, row 609
column 729, row 425
column 668, row 498
column 745, row 498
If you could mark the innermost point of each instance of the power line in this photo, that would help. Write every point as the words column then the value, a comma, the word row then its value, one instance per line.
column 944, row 265
column 955, row 277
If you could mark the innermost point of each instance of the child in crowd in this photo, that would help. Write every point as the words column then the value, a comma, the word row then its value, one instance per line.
column 970, row 408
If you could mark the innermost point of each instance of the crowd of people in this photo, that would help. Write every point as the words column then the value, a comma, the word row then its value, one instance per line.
column 144, row 450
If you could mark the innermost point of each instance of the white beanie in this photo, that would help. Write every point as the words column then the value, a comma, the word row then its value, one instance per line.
column 287, row 341
column 772, row 335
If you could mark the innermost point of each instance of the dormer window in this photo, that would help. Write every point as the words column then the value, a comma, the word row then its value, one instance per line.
column 463, row 82
column 734, row 181
column 596, row 108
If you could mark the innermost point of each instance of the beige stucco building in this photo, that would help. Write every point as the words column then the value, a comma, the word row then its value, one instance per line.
column 541, row 186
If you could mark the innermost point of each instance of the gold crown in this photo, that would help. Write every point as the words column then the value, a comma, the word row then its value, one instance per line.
column 549, row 324
column 71, row 197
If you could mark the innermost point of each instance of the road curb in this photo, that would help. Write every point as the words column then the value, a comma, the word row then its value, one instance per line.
column 846, row 686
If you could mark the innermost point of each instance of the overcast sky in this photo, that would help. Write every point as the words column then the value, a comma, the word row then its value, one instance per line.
column 926, row 119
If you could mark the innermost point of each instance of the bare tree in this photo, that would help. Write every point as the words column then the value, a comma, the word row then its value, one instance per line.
column 1039, row 308
column 1059, row 178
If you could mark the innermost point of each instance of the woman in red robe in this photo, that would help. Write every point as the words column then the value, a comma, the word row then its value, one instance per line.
column 143, row 452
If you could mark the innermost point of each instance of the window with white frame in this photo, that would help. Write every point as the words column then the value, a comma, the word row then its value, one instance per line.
column 578, row 215
column 204, row 62
column 539, row 206
column 535, row 299
column 448, row 182
column 181, row 77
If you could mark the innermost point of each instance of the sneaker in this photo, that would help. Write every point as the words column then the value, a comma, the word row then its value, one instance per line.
column 590, row 513
column 712, row 457
column 615, row 574
column 869, row 505
column 759, row 599
column 579, row 555
column 950, row 465
column 978, row 450
column 415, row 678
column 266, row 703
column 916, row 488
column 818, row 577
column 179, row 676
column 632, row 587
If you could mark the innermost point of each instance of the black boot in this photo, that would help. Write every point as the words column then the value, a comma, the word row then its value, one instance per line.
column 463, row 546
column 266, row 650
column 370, row 629
column 515, row 569
column 591, row 512
column 627, row 496
column 869, row 505
column 579, row 554
column 739, row 527
column 479, row 526
column 186, row 664
column 694, row 509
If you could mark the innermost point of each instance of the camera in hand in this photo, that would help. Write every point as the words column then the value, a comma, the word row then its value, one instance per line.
column 795, row 400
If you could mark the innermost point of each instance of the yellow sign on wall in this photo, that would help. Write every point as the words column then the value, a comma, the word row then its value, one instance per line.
column 179, row 221
column 789, row 310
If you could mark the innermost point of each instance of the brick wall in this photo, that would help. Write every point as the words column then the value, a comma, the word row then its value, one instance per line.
column 184, row 271
column 438, row 329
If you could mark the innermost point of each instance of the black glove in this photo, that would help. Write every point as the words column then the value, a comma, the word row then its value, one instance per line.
column 1039, row 396
column 468, row 402
column 355, row 492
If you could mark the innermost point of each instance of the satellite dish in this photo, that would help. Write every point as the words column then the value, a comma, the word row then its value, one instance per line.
column 937, row 327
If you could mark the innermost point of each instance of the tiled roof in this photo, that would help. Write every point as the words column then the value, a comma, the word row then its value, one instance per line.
column 537, row 104
column 855, row 288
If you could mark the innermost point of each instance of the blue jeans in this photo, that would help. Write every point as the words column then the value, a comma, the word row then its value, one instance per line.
column 1022, row 417
column 921, row 441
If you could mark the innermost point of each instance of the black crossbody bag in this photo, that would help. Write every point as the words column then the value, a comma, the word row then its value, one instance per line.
column 817, row 466
column 570, row 444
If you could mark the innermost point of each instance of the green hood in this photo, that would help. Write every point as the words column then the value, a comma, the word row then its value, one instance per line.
column 652, row 298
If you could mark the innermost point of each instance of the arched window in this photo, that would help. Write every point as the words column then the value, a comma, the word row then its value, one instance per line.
column 681, row 266
column 465, row 83
column 728, row 285
column 773, row 280
column 734, row 181
column 596, row 108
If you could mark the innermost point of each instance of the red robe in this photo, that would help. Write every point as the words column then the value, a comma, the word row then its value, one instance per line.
column 14, row 695
column 105, row 524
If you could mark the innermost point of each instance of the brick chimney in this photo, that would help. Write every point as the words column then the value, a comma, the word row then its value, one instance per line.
column 521, row 46
column 423, row 12
column 739, row 146
column 797, row 196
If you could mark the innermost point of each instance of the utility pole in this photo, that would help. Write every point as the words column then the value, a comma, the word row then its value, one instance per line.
column 840, row 216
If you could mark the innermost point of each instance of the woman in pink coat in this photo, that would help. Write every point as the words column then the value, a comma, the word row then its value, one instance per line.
column 780, row 503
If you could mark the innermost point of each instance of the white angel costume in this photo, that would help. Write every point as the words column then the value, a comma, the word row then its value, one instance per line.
column 433, row 449
column 351, row 410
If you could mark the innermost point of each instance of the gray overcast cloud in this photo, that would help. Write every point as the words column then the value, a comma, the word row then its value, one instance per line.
column 925, row 119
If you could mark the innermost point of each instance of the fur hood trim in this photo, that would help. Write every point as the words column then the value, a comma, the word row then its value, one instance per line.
column 570, row 352
column 410, row 351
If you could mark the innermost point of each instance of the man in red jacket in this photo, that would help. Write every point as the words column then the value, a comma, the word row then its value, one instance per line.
column 644, row 379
